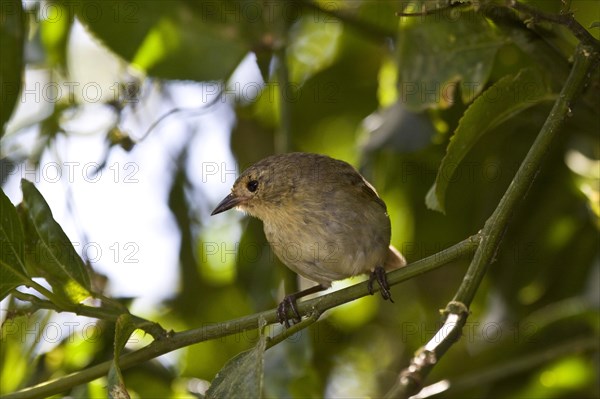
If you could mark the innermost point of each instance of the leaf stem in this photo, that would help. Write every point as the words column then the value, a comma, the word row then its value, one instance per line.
column 48, row 294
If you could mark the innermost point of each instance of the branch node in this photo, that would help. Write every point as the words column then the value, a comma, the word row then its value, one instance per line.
column 457, row 308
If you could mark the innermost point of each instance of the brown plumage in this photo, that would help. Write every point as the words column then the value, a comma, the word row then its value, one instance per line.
column 321, row 217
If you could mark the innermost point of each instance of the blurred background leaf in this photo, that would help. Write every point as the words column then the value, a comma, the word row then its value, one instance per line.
column 12, row 39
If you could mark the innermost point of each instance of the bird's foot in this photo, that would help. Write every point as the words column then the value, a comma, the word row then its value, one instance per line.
column 379, row 275
column 289, row 303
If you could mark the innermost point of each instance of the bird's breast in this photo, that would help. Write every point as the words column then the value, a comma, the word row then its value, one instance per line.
column 327, row 243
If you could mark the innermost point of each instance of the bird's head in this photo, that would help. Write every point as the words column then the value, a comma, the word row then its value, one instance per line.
column 262, row 189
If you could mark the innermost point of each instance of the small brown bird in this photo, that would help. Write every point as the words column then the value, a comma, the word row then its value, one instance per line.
column 322, row 219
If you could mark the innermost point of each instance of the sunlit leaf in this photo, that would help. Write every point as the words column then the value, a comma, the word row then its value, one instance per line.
column 12, row 266
column 242, row 376
column 52, row 255
column 54, row 32
column 12, row 36
column 313, row 47
column 506, row 98
column 15, row 366
column 438, row 51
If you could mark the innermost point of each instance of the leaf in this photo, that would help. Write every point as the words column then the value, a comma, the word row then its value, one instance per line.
column 441, row 49
column 12, row 264
column 54, row 33
column 506, row 98
column 124, row 328
column 242, row 376
column 313, row 47
column 52, row 254
column 199, row 40
column 116, row 383
column 12, row 38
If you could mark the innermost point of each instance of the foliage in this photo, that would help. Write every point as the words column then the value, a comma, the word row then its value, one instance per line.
column 486, row 111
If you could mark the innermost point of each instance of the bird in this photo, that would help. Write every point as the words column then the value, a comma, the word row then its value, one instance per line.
column 322, row 219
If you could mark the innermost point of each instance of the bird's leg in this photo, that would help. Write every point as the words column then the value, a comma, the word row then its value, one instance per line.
column 289, row 302
column 379, row 275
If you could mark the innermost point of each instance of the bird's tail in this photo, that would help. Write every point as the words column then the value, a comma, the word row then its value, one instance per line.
column 395, row 259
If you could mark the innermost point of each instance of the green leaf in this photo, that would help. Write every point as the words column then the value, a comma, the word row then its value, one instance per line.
column 199, row 40
column 313, row 47
column 116, row 383
column 441, row 49
column 12, row 264
column 12, row 38
column 124, row 328
column 506, row 98
column 52, row 255
column 242, row 376
column 54, row 33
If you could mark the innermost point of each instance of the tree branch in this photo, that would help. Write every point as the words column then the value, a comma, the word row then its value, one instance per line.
column 313, row 308
column 567, row 20
column 411, row 379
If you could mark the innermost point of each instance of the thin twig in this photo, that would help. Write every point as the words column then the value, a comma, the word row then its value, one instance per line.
column 198, row 111
column 567, row 20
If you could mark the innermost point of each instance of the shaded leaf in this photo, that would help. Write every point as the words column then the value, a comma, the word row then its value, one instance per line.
column 169, row 39
column 242, row 376
column 12, row 36
column 116, row 383
column 9, row 279
column 506, row 98
column 452, row 46
column 12, row 266
column 397, row 128
column 51, row 254
column 313, row 47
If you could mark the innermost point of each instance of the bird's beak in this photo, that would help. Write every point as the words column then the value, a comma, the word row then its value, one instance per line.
column 228, row 202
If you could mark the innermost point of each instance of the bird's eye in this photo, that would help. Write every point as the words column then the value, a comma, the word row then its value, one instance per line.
column 252, row 185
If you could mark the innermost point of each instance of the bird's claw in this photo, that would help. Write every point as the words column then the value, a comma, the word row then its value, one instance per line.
column 289, row 302
column 379, row 275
